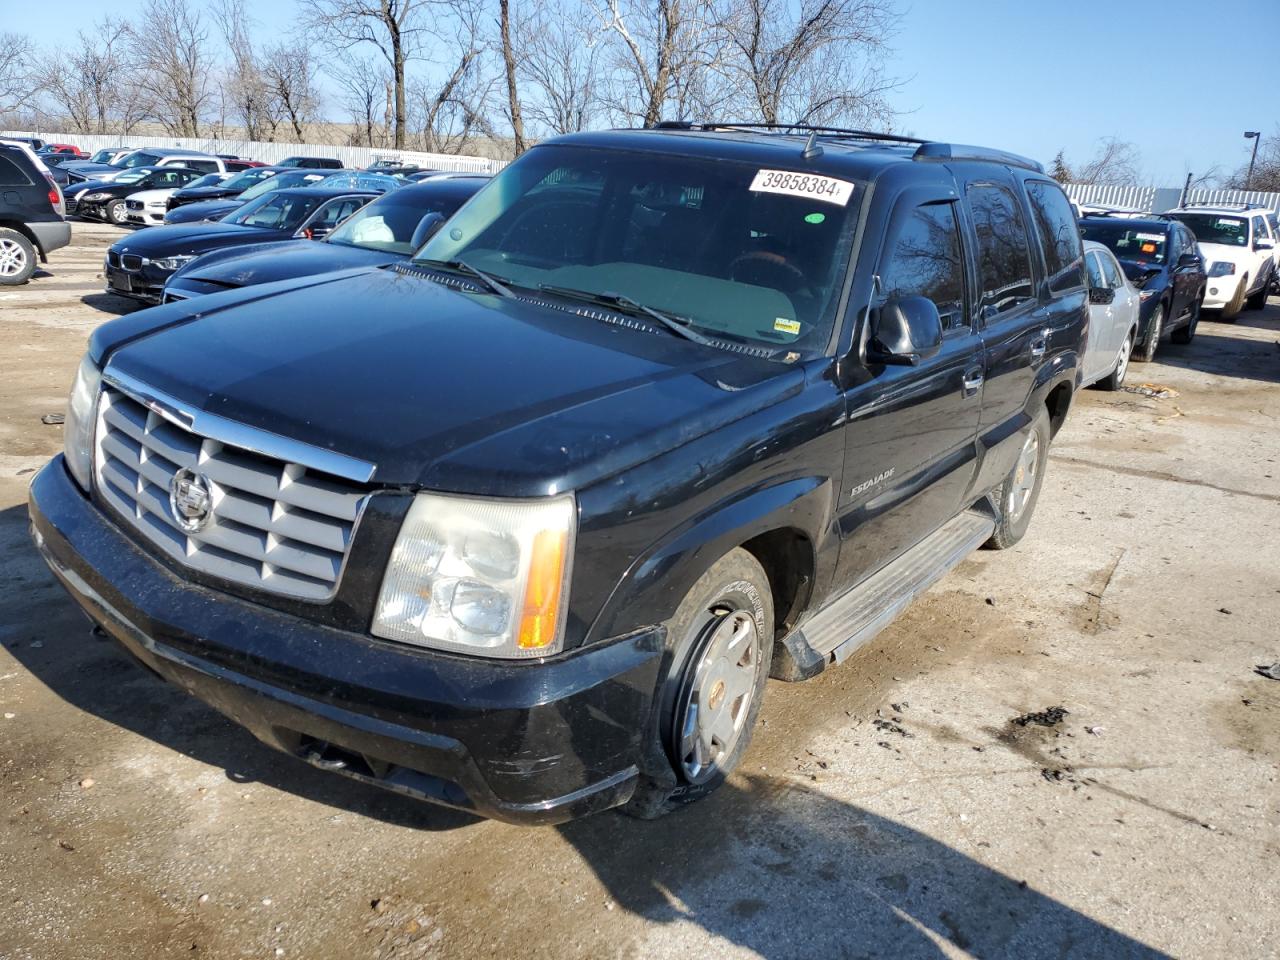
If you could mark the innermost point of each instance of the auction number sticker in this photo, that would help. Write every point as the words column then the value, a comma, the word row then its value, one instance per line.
column 808, row 185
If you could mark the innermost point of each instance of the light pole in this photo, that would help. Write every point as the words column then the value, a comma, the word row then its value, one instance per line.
column 1255, row 136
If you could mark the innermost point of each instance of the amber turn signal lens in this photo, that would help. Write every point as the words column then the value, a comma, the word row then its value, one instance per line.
column 542, row 597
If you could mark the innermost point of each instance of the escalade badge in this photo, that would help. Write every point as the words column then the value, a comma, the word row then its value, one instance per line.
column 189, row 500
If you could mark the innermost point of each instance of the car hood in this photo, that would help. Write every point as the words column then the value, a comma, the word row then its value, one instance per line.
column 87, row 169
column 441, row 389
column 88, row 186
column 190, row 238
column 151, row 195
column 1223, row 251
column 207, row 193
column 204, row 210
column 1140, row 273
column 267, row 262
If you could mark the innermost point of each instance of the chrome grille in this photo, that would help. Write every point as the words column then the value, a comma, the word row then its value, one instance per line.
column 131, row 261
column 272, row 525
column 134, row 204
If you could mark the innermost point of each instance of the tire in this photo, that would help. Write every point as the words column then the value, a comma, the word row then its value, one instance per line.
column 1259, row 299
column 1115, row 378
column 1155, row 326
column 1017, row 497
column 1232, row 309
column 17, row 258
column 720, row 638
column 117, row 214
column 1185, row 335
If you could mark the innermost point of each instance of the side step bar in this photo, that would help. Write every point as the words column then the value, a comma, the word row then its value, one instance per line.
column 855, row 617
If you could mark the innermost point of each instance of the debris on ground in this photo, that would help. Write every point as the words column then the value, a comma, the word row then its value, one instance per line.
column 1157, row 391
column 1094, row 731
column 53, row 419
column 86, row 783
column 888, row 726
column 1271, row 672
column 1049, row 717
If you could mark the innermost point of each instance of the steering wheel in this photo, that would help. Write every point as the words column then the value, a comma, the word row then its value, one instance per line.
column 770, row 261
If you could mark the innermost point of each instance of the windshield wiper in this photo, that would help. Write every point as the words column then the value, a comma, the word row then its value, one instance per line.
column 461, row 266
column 677, row 325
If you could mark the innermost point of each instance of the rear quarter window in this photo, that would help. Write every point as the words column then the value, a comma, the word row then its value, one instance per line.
column 11, row 174
column 1059, row 235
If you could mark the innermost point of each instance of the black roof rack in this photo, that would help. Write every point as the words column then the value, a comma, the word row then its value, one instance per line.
column 926, row 149
column 1226, row 206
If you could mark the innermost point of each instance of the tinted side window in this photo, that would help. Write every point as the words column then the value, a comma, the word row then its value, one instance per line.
column 1111, row 272
column 1095, row 272
column 1260, row 230
column 922, row 259
column 1004, row 259
column 1059, row 235
column 11, row 174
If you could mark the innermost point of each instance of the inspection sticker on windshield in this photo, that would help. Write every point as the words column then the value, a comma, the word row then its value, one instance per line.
column 1158, row 238
column 826, row 189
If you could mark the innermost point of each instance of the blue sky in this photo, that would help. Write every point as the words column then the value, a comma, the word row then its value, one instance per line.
column 1183, row 79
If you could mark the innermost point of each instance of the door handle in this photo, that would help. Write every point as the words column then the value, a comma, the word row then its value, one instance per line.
column 972, row 382
column 1040, row 345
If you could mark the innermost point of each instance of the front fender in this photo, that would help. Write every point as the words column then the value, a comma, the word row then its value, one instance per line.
column 659, row 579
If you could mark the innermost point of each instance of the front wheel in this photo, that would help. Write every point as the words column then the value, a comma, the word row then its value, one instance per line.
column 1115, row 378
column 720, row 641
column 1232, row 309
column 1021, row 488
column 1147, row 352
column 1259, row 299
column 117, row 214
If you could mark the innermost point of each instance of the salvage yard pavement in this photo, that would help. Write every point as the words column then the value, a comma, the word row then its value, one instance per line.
column 1061, row 750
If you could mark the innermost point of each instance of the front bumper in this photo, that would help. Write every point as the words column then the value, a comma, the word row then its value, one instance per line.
column 184, row 288
column 1220, row 291
column 146, row 217
column 145, row 284
column 522, row 742
column 95, row 210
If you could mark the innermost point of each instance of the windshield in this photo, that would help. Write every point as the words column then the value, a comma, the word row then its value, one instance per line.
column 103, row 156
column 735, row 250
column 133, row 176
column 359, row 180
column 140, row 159
column 208, row 180
column 276, row 211
column 245, row 180
column 288, row 178
column 396, row 223
column 1212, row 228
column 1144, row 244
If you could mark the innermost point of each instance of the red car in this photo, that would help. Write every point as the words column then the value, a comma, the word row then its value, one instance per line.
column 62, row 148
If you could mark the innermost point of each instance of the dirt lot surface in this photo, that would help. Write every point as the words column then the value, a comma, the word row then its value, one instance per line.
column 136, row 822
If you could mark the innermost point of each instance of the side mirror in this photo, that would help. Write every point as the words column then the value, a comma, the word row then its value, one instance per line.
column 1188, row 260
column 1264, row 245
column 906, row 332
column 1101, row 296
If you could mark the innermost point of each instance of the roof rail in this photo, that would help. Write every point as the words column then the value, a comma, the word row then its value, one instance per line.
column 1226, row 206
column 837, row 133
column 960, row 151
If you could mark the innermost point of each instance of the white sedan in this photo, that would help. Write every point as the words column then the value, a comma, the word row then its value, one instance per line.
column 1113, row 319
column 148, row 207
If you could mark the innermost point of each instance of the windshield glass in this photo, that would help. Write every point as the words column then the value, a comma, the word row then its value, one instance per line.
column 140, row 159
column 133, row 176
column 735, row 250
column 1213, row 228
column 359, row 180
column 276, row 211
column 208, row 180
column 245, row 180
column 397, row 223
column 1145, row 244
column 288, row 178
column 103, row 156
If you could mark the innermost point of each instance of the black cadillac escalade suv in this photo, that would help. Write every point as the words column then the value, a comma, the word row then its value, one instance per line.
column 523, row 525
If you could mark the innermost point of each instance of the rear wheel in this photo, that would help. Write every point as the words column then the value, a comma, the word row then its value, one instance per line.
column 1187, row 334
column 720, row 638
column 17, row 258
column 1232, row 309
column 1155, row 326
column 1115, row 378
column 117, row 214
column 1021, row 488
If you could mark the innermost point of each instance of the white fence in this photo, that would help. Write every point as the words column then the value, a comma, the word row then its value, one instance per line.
column 353, row 157
column 1156, row 199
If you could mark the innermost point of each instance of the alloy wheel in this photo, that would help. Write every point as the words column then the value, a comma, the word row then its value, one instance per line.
column 13, row 258
column 1024, row 478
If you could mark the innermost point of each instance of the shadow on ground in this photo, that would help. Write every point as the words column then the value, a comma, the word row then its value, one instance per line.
column 111, row 303
column 765, row 864
column 1225, row 356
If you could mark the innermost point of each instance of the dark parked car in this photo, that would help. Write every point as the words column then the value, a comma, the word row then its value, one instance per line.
column 313, row 163
column 106, row 201
column 138, row 265
column 35, row 143
column 523, row 525
column 1160, row 258
column 230, row 187
column 389, row 229
column 198, row 210
column 31, row 220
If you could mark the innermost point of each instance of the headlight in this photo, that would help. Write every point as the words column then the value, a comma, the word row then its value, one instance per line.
column 1221, row 268
column 94, row 197
column 487, row 577
column 173, row 263
column 82, row 408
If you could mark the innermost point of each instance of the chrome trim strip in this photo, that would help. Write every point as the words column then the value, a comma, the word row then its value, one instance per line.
column 240, row 435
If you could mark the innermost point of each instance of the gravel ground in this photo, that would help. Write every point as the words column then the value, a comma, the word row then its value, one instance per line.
column 1145, row 822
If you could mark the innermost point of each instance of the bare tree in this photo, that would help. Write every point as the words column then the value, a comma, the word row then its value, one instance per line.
column 661, row 46
column 360, row 80
column 510, row 66
column 452, row 102
column 18, row 87
column 175, row 65
column 560, row 67
column 393, row 28
column 1116, row 164
column 92, row 83
column 815, row 61
column 289, row 74
column 1266, row 169
column 245, row 87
